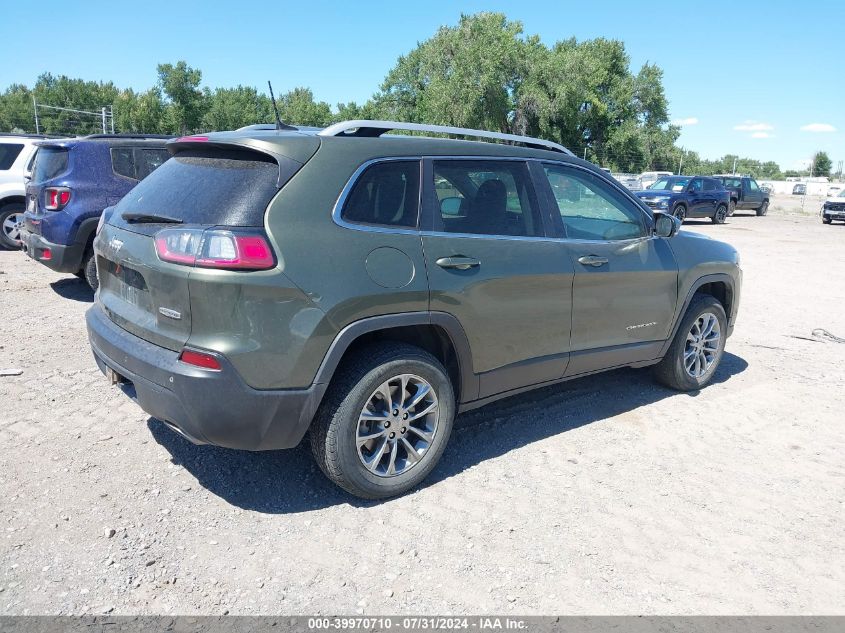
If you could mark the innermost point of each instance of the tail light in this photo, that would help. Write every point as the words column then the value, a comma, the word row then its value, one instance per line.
column 199, row 359
column 56, row 198
column 215, row 248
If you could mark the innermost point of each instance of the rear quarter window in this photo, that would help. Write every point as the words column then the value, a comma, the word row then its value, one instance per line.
column 210, row 187
column 49, row 163
column 9, row 152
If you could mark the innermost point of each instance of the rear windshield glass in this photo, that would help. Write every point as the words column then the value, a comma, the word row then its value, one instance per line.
column 231, row 188
column 8, row 153
column 49, row 163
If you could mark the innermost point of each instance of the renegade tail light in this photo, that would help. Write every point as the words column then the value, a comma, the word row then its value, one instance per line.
column 56, row 198
column 215, row 248
column 199, row 359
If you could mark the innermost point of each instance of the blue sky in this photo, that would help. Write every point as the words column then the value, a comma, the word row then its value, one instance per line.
column 744, row 77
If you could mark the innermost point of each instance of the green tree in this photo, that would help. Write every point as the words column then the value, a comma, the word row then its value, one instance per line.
column 821, row 164
column 298, row 107
column 185, row 101
column 142, row 113
column 231, row 108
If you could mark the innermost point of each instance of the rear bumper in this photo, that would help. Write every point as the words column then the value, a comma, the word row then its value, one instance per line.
column 207, row 407
column 62, row 258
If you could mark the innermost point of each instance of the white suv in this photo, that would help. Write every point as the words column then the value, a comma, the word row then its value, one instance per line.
column 16, row 156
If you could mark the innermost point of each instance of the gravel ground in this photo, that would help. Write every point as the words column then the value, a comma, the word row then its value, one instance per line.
column 606, row 495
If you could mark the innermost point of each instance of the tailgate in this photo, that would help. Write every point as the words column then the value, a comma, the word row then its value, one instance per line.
column 141, row 293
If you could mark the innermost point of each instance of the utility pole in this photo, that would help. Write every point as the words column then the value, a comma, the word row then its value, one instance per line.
column 585, row 153
column 35, row 109
column 111, row 117
column 104, row 119
column 733, row 171
column 681, row 161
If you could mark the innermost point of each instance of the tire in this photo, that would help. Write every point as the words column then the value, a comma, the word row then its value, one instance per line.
column 680, row 212
column 826, row 220
column 11, row 220
column 672, row 370
column 357, row 387
column 731, row 208
column 764, row 209
column 720, row 215
column 89, row 271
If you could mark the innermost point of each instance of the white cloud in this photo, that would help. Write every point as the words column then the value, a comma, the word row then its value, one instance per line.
column 753, row 126
column 762, row 135
column 818, row 127
column 684, row 122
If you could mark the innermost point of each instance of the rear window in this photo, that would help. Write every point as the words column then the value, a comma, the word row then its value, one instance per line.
column 8, row 153
column 137, row 162
column 49, row 163
column 229, row 188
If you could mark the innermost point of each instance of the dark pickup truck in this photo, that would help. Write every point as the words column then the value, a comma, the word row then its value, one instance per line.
column 688, row 197
column 746, row 194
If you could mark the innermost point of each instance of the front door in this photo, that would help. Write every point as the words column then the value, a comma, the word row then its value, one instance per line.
column 752, row 195
column 626, row 279
column 698, row 203
column 492, row 266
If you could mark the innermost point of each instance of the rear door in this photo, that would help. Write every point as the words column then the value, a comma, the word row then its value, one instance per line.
column 197, row 188
column 625, row 285
column 491, row 264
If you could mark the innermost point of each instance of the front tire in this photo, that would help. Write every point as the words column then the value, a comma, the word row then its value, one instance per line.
column 826, row 220
column 698, row 346
column 11, row 222
column 385, row 420
column 764, row 209
column 720, row 215
column 89, row 271
column 680, row 212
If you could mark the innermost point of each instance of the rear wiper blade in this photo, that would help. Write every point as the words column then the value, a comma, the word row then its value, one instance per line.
column 149, row 218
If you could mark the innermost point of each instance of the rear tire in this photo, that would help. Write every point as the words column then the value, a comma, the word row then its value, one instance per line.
column 731, row 208
column 89, row 271
column 11, row 221
column 368, row 397
column 695, row 343
column 720, row 215
column 764, row 209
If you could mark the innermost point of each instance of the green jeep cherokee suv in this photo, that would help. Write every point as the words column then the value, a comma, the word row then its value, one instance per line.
column 365, row 288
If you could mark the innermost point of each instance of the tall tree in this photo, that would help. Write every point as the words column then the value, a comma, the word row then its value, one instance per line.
column 231, row 108
column 185, row 101
column 821, row 164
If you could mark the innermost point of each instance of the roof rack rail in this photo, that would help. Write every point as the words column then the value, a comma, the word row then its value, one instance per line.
column 377, row 128
column 140, row 136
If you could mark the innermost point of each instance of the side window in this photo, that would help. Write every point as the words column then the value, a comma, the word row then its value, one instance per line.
column 8, row 153
column 752, row 185
column 710, row 185
column 485, row 197
column 591, row 209
column 386, row 194
column 147, row 160
column 123, row 162
column 696, row 185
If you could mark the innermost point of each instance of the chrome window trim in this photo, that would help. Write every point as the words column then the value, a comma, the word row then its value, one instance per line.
column 375, row 228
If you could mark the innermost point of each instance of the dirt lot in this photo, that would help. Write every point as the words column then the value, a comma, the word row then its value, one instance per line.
column 607, row 495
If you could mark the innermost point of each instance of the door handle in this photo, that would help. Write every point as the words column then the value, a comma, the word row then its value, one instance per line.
column 458, row 262
column 592, row 260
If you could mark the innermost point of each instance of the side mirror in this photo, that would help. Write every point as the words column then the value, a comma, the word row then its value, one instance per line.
column 450, row 206
column 666, row 225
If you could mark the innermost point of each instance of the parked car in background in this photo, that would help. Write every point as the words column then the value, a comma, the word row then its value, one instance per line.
column 688, row 197
column 746, row 194
column 648, row 178
column 767, row 187
column 72, row 181
column 16, row 155
column 799, row 190
column 630, row 181
column 834, row 190
column 360, row 289
column 834, row 208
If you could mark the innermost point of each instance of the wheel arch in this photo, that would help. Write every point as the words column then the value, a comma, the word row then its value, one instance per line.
column 438, row 333
column 12, row 199
column 721, row 286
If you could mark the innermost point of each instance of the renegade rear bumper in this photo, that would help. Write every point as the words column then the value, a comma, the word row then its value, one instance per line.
column 205, row 406
column 62, row 258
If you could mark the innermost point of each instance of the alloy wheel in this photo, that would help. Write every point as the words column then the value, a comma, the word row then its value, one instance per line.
column 12, row 226
column 702, row 345
column 397, row 425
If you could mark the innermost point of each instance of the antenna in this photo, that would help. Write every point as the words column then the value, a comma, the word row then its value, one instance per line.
column 279, row 124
